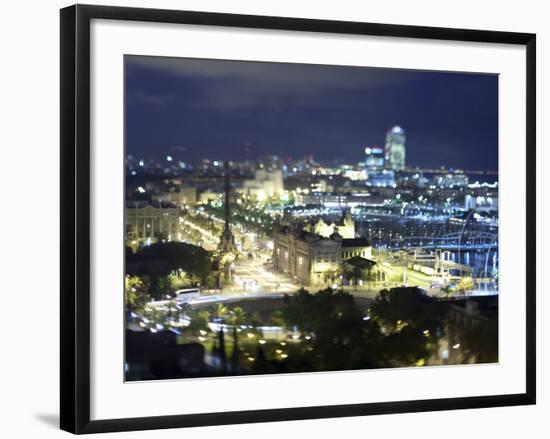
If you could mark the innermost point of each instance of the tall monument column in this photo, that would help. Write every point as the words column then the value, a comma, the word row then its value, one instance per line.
column 227, row 240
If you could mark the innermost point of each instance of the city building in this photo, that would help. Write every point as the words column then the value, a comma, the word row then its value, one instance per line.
column 145, row 225
column 313, row 259
column 374, row 159
column 481, row 203
column 355, row 174
column 180, row 196
column 321, row 185
column 265, row 184
column 209, row 196
column 395, row 149
column 382, row 178
column 451, row 180
column 334, row 200
column 346, row 229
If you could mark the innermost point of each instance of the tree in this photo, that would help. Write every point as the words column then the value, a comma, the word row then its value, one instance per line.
column 331, row 277
column 237, row 316
column 405, row 306
column 236, row 354
column 164, row 261
column 479, row 341
column 180, row 279
column 412, row 323
column 219, row 311
column 161, row 259
column 407, row 347
column 199, row 321
column 211, row 281
column 353, row 274
column 277, row 318
column 222, row 352
column 135, row 292
column 358, row 269
column 339, row 336
column 160, row 287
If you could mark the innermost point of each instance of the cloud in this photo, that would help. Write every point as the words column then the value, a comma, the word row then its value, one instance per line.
column 289, row 74
column 141, row 97
column 243, row 85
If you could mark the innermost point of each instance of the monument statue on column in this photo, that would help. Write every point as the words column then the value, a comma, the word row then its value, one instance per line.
column 227, row 240
column 227, row 250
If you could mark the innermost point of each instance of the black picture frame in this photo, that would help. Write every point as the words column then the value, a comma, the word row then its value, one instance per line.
column 75, row 217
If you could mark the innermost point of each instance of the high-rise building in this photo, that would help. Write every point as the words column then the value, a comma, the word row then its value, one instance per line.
column 395, row 149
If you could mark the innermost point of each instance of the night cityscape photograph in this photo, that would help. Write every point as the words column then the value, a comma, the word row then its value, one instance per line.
column 287, row 218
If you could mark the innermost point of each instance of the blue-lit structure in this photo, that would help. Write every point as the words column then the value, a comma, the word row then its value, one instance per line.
column 374, row 158
column 395, row 149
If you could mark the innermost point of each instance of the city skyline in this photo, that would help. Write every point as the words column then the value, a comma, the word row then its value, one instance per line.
column 266, row 233
column 251, row 109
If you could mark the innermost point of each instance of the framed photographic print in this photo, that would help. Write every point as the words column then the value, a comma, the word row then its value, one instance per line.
column 269, row 219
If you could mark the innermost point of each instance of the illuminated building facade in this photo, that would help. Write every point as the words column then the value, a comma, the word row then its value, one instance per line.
column 382, row 178
column 266, row 183
column 182, row 196
column 395, row 149
column 481, row 202
column 148, row 224
column 313, row 259
column 451, row 180
column 374, row 158
column 335, row 200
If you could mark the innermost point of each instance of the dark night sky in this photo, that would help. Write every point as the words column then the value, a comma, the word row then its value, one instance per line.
column 194, row 109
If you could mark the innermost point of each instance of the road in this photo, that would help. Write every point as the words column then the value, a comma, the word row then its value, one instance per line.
column 245, row 269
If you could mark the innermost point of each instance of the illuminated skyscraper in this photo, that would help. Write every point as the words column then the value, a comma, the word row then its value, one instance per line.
column 395, row 149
